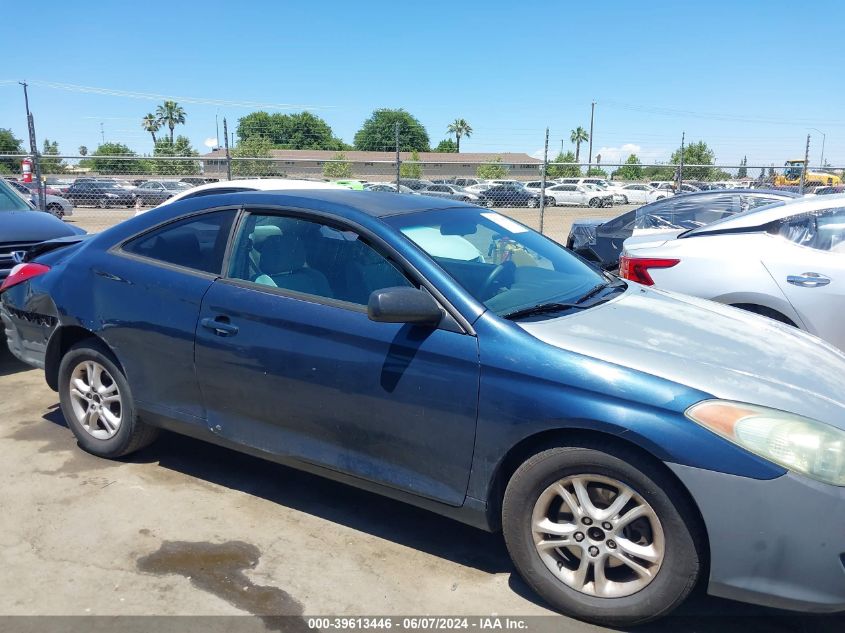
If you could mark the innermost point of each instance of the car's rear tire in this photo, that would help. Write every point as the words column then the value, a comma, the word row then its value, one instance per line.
column 594, row 202
column 489, row 203
column 550, row 202
column 532, row 203
column 609, row 569
column 97, row 402
column 56, row 209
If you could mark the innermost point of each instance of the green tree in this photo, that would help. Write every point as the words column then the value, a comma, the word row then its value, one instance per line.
column 742, row 172
column 170, row 114
column 556, row 170
column 109, row 165
column 253, row 147
column 378, row 133
column 301, row 130
column 446, row 146
column 412, row 168
column 597, row 172
column 338, row 170
column 83, row 150
column 631, row 170
column 494, row 170
column 10, row 145
column 51, row 165
column 771, row 171
column 151, row 124
column 180, row 147
column 695, row 154
column 661, row 172
column 459, row 127
column 579, row 135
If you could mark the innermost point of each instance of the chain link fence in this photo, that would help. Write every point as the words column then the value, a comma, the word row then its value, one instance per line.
column 96, row 192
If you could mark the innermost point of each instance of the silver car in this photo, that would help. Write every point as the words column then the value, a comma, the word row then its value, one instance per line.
column 450, row 191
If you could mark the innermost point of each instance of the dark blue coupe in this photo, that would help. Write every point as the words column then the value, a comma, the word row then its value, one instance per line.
column 629, row 442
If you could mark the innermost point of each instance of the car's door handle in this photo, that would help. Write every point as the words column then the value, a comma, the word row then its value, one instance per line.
column 808, row 280
column 220, row 326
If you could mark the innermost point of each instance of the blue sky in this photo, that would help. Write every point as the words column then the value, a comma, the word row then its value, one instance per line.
column 750, row 78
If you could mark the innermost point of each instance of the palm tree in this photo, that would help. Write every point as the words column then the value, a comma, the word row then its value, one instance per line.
column 459, row 127
column 150, row 124
column 170, row 114
column 579, row 135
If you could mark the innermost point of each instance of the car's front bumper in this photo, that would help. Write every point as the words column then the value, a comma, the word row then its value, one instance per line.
column 777, row 542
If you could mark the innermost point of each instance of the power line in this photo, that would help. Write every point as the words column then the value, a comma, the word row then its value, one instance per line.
column 128, row 94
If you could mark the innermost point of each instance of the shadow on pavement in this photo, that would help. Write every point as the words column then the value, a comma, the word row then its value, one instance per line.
column 9, row 364
column 430, row 533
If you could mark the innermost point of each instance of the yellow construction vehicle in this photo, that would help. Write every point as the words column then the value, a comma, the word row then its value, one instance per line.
column 792, row 176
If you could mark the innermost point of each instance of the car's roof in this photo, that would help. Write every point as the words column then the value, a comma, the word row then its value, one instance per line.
column 770, row 213
column 340, row 202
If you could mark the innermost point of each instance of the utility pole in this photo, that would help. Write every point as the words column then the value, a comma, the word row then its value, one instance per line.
column 226, row 143
column 216, row 131
column 561, row 147
column 592, row 116
column 398, row 161
column 681, row 165
column 804, row 167
column 824, row 136
column 102, row 132
column 33, row 148
column 543, row 183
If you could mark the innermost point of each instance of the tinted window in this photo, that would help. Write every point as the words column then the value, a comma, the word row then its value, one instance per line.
column 310, row 258
column 197, row 242
column 9, row 200
column 822, row 230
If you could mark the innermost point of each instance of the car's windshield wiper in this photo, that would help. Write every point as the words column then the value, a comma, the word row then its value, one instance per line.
column 543, row 308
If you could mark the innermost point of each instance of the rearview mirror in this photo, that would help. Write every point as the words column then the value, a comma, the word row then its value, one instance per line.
column 403, row 305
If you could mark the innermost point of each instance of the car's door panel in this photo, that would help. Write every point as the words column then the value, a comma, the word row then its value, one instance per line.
column 821, row 304
column 391, row 403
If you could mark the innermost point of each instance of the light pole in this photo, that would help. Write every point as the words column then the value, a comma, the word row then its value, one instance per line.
column 824, row 136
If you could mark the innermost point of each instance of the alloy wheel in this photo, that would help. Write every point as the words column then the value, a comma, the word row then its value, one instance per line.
column 598, row 536
column 95, row 399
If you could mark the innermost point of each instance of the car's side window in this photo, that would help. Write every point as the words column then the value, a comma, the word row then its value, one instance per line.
column 822, row 230
column 197, row 242
column 311, row 258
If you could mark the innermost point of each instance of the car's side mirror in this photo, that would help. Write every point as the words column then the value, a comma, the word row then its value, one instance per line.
column 403, row 305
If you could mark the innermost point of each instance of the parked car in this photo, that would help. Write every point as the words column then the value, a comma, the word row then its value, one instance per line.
column 467, row 182
column 59, row 184
column 155, row 192
column 785, row 261
column 387, row 187
column 637, row 193
column 23, row 226
column 33, row 188
column 415, row 183
column 600, row 241
column 197, row 180
column 827, row 190
column 451, row 192
column 57, row 205
column 479, row 188
column 100, row 193
column 629, row 442
column 578, row 195
column 248, row 184
column 513, row 195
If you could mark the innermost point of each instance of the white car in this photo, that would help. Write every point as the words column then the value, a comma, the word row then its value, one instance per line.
column 56, row 205
column 479, row 188
column 612, row 188
column 250, row 184
column 579, row 195
column 785, row 261
column 638, row 193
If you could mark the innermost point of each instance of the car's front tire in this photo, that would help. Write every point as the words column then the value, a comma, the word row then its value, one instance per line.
column 97, row 402
column 604, row 536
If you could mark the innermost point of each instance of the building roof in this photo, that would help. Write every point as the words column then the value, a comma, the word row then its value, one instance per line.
column 369, row 157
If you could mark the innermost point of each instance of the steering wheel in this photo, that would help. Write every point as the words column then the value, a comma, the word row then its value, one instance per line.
column 506, row 267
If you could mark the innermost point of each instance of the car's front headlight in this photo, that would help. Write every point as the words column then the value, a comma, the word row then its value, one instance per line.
column 800, row 444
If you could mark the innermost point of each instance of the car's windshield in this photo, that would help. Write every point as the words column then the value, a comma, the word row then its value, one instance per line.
column 175, row 186
column 503, row 264
column 10, row 200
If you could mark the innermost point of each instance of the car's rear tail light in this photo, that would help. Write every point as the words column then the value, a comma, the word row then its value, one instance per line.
column 23, row 272
column 636, row 268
